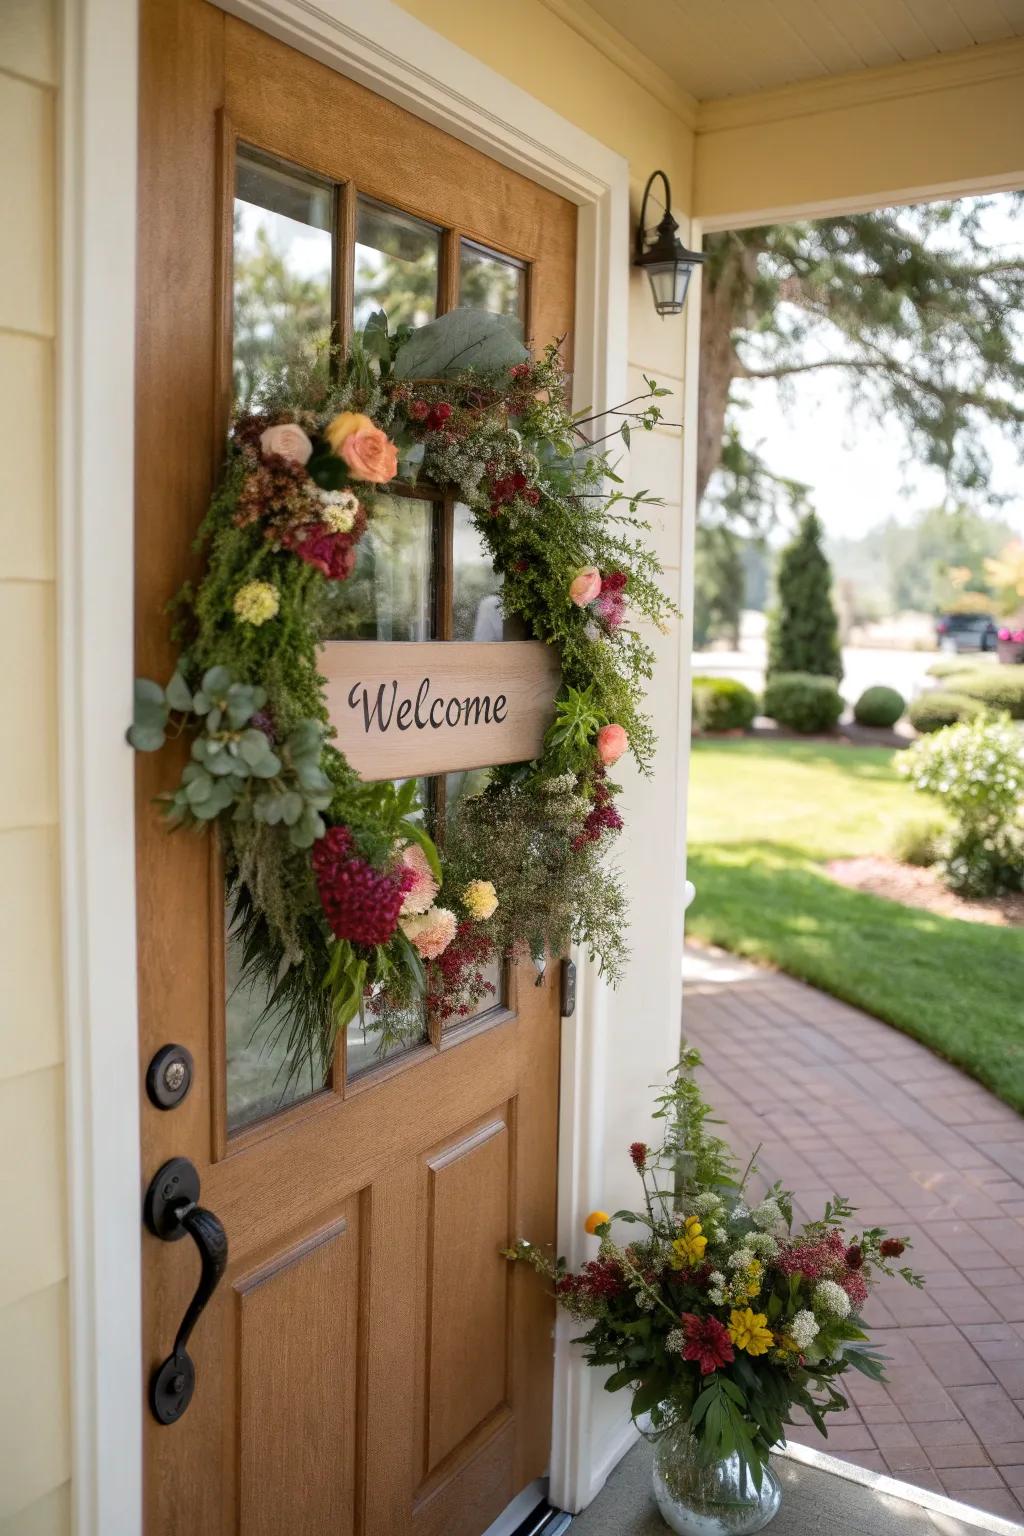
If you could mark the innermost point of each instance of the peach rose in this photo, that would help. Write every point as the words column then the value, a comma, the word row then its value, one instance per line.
column 585, row 586
column 612, row 741
column 370, row 456
column 288, row 441
column 343, row 426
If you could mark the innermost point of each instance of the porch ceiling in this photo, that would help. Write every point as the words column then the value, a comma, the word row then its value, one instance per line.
column 738, row 47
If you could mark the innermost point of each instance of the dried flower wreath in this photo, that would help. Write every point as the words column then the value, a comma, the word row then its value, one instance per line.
column 335, row 882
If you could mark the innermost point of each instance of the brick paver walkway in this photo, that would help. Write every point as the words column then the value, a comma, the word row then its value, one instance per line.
column 843, row 1104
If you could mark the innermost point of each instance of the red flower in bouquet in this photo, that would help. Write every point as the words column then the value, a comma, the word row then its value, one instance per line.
column 706, row 1342
column 638, row 1155
column 359, row 902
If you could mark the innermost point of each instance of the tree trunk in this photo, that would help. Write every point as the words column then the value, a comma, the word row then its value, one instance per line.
column 725, row 295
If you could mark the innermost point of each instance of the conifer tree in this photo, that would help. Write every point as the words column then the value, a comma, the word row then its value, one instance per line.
column 803, row 633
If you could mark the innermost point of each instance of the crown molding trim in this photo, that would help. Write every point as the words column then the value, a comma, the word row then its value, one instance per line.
column 610, row 42
column 980, row 65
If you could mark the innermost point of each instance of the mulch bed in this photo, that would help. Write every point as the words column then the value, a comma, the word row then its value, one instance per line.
column 914, row 887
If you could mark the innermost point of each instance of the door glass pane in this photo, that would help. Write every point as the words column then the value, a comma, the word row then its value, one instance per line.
column 492, row 282
column 476, row 585
column 389, row 595
column 283, row 258
column 397, row 260
column 260, row 1079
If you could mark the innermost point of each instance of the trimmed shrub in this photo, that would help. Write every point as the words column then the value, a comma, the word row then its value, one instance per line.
column 946, row 666
column 940, row 707
column 919, row 840
column 998, row 688
column 977, row 771
column 879, row 706
column 802, row 702
column 803, row 634
column 722, row 704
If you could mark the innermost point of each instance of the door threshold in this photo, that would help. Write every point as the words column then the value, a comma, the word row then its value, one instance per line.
column 530, row 1514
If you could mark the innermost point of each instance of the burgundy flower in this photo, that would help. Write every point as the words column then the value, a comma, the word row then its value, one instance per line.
column 360, row 903
column 532, row 495
column 707, row 1342
column 891, row 1247
column 437, row 416
column 419, row 410
column 638, row 1152
column 602, row 816
column 854, row 1256
column 615, row 581
column 332, row 553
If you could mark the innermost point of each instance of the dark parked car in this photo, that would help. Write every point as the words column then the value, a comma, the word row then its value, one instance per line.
column 966, row 632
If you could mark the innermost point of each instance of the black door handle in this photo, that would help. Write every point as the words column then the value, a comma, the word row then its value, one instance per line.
column 172, row 1213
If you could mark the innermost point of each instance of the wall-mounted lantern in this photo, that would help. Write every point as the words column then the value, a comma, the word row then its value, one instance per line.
column 663, row 255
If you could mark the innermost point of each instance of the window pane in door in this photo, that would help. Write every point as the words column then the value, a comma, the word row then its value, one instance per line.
column 476, row 585
column 283, row 264
column 397, row 262
column 260, row 1078
column 389, row 595
column 492, row 282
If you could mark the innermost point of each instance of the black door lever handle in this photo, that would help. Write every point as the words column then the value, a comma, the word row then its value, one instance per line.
column 171, row 1213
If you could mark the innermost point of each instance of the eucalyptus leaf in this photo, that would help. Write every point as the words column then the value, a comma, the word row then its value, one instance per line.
column 179, row 695
column 461, row 339
column 216, row 682
column 146, row 738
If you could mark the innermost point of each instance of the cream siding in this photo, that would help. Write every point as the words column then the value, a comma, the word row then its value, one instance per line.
column 33, row 1291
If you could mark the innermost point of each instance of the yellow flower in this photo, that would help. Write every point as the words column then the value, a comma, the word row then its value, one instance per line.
column 596, row 1219
column 480, row 899
column 688, row 1248
column 256, row 602
column 343, row 426
column 749, row 1330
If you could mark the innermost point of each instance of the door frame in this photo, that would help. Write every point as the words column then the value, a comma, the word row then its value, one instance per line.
column 389, row 51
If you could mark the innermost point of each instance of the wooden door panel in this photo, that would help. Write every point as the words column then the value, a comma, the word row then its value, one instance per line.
column 370, row 1365
column 466, row 1193
column 298, row 1374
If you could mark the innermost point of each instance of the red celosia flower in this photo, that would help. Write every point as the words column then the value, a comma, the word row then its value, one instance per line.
column 332, row 553
column 602, row 816
column 520, row 370
column 638, row 1152
column 707, row 1342
column 437, row 416
column 360, row 903
column 891, row 1247
column 455, row 980
column 615, row 581
column 854, row 1256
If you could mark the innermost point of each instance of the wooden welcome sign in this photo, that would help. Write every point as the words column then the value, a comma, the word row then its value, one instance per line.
column 406, row 707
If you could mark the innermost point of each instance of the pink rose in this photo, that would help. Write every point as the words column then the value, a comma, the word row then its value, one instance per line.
column 370, row 455
column 612, row 741
column 288, row 441
column 585, row 586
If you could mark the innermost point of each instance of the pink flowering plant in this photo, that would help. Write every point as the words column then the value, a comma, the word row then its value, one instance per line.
column 343, row 904
column 720, row 1317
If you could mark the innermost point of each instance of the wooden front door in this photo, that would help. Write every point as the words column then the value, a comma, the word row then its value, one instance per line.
column 369, row 1364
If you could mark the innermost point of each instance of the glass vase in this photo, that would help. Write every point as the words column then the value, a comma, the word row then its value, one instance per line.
column 719, row 1498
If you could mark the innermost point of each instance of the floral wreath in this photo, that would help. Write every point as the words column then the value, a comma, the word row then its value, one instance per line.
column 342, row 903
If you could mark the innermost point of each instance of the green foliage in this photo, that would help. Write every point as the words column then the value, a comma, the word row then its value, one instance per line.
column 977, row 771
column 802, row 702
column 911, row 309
column 919, row 840
column 719, row 583
column 569, row 739
column 939, row 707
column 722, row 704
column 951, row 666
column 997, row 688
column 522, row 835
column 461, row 339
column 879, row 706
column 803, row 633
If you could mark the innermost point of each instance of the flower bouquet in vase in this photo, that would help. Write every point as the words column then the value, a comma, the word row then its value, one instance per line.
column 719, row 1317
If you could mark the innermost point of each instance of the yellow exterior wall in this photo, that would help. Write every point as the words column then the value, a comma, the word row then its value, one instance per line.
column 951, row 124
column 33, row 1290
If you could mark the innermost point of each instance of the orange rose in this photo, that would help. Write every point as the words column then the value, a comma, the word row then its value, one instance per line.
column 370, row 456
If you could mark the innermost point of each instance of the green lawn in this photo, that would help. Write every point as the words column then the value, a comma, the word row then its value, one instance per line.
column 764, row 816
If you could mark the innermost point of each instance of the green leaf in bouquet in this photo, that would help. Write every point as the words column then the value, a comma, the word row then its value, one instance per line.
column 179, row 694
column 416, row 834
column 216, row 682
column 461, row 339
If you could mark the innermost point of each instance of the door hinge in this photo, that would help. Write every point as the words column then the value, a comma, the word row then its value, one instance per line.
column 568, row 989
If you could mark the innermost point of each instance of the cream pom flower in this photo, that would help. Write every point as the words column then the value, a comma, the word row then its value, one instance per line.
column 431, row 932
column 419, row 898
column 256, row 602
column 803, row 1329
column 480, row 899
column 338, row 510
column 830, row 1297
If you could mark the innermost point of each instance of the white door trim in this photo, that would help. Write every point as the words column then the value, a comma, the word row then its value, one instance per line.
column 386, row 49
